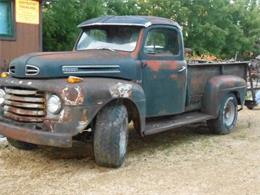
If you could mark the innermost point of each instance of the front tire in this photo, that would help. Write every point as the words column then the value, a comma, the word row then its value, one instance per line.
column 21, row 145
column 111, row 136
column 227, row 117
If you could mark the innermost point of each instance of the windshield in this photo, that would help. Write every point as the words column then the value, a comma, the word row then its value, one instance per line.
column 123, row 38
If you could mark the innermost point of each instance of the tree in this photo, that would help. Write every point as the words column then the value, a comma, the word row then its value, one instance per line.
column 222, row 28
column 60, row 20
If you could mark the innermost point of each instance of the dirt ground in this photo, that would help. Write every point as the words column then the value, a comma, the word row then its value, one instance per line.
column 175, row 162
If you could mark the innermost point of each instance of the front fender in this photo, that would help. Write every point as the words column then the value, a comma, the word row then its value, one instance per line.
column 217, row 87
column 102, row 91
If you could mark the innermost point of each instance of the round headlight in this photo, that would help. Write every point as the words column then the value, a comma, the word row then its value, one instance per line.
column 2, row 97
column 54, row 104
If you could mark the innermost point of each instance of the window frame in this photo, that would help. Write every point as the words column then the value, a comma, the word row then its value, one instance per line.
column 178, row 56
column 12, row 35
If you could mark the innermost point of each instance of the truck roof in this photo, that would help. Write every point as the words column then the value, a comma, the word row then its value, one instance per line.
column 143, row 21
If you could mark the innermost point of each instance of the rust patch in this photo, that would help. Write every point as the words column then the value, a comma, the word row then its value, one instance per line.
column 17, row 117
column 73, row 95
column 173, row 76
column 35, row 136
column 172, row 65
column 154, row 65
column 123, row 53
column 49, row 125
column 135, row 53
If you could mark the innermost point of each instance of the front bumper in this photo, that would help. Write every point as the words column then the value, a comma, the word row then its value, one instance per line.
column 35, row 136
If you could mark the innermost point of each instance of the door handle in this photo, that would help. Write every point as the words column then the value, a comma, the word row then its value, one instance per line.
column 182, row 69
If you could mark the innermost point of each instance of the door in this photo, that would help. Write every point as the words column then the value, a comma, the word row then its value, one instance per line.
column 163, row 71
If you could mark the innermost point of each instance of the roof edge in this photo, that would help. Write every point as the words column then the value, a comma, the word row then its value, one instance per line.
column 134, row 20
column 147, row 24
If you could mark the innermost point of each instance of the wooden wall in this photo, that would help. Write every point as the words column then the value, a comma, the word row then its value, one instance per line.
column 27, row 39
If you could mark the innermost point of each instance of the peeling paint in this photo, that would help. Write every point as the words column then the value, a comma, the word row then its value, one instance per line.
column 83, row 123
column 61, row 116
column 121, row 90
column 99, row 103
column 73, row 95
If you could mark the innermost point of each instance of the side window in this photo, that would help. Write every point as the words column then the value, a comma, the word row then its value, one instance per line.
column 162, row 42
column 6, row 19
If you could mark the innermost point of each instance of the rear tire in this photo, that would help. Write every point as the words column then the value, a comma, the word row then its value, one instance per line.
column 227, row 117
column 111, row 136
column 251, row 107
column 21, row 145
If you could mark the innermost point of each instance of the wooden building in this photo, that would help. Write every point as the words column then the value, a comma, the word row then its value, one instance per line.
column 20, row 29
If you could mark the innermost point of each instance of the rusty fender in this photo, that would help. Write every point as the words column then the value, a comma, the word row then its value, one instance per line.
column 102, row 91
column 217, row 87
column 81, row 102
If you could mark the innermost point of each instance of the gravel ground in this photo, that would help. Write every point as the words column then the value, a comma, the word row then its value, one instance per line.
column 175, row 162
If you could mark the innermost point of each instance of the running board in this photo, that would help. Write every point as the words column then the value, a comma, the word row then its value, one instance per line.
column 157, row 125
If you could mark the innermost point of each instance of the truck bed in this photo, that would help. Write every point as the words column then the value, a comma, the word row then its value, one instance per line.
column 200, row 73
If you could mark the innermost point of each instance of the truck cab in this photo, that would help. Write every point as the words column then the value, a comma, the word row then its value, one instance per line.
column 122, row 69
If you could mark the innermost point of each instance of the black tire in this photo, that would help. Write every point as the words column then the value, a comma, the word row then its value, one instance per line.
column 251, row 107
column 227, row 117
column 111, row 136
column 21, row 145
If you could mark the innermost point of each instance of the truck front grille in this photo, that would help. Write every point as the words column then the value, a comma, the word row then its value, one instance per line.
column 25, row 105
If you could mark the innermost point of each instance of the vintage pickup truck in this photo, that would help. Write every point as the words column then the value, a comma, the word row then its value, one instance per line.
column 122, row 69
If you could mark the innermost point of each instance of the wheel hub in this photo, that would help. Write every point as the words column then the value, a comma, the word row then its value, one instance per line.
column 229, row 112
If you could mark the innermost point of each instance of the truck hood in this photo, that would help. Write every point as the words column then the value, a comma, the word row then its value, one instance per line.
column 90, row 63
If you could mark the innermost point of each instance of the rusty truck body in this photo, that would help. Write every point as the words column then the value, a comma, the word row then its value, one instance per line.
column 122, row 69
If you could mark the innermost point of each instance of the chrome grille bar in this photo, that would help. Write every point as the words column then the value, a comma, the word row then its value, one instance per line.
column 27, row 105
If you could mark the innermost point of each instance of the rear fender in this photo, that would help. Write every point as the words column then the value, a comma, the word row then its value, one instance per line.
column 217, row 87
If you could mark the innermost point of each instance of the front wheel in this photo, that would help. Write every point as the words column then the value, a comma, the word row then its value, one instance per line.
column 227, row 117
column 111, row 136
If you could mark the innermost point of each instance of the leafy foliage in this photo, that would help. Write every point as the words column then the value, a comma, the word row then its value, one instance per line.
column 60, row 20
column 223, row 28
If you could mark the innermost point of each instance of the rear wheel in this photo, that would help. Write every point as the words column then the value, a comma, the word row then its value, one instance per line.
column 111, row 136
column 21, row 145
column 251, row 107
column 227, row 117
